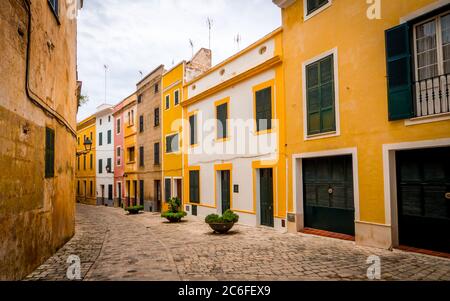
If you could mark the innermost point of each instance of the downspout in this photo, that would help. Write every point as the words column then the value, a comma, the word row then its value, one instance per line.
column 33, row 97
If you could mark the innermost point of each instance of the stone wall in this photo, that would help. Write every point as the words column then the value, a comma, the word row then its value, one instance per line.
column 151, row 99
column 36, row 214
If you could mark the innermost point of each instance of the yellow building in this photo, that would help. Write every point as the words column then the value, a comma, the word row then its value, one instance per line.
column 85, row 165
column 130, row 174
column 172, row 115
column 367, row 97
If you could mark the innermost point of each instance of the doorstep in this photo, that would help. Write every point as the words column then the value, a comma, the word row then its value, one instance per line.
column 424, row 251
column 328, row 234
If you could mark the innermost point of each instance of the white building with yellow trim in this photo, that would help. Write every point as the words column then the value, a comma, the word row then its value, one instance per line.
column 234, row 138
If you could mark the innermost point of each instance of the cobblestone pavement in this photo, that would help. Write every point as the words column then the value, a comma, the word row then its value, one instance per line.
column 115, row 246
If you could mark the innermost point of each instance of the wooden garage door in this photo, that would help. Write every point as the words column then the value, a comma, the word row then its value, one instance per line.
column 423, row 180
column 328, row 194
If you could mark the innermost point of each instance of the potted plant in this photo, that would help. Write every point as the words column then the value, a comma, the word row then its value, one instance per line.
column 134, row 209
column 222, row 224
column 175, row 213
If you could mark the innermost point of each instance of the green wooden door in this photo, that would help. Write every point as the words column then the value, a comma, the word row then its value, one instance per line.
column 328, row 194
column 225, row 187
column 423, row 181
column 266, row 196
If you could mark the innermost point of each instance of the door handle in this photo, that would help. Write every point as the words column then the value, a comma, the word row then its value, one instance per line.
column 447, row 195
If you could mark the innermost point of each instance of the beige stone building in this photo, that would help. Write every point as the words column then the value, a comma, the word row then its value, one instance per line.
column 149, row 139
column 38, row 107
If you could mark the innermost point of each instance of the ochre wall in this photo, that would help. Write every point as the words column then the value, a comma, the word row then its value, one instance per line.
column 36, row 214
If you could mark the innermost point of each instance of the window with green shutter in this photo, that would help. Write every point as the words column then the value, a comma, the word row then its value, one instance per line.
column 109, row 137
column 400, row 87
column 100, row 139
column 320, row 96
column 222, row 121
column 193, row 129
column 313, row 5
column 49, row 153
column 194, row 186
column 263, row 109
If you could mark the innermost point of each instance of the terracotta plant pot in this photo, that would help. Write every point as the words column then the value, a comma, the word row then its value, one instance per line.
column 221, row 228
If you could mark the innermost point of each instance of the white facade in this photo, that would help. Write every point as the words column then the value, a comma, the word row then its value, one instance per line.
column 243, row 145
column 105, row 155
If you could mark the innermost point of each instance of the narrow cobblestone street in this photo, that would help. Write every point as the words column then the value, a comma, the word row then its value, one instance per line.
column 115, row 246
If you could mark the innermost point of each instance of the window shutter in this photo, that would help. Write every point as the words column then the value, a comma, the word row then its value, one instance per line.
column 168, row 189
column 264, row 109
column 194, row 187
column 49, row 153
column 156, row 154
column 193, row 129
column 313, row 98
column 222, row 112
column 398, row 55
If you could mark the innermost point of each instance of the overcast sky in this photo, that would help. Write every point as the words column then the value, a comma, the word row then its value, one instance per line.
column 139, row 35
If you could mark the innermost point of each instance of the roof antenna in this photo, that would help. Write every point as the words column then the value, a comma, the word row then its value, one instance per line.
column 106, row 70
column 210, row 23
column 142, row 74
column 238, row 40
column 192, row 46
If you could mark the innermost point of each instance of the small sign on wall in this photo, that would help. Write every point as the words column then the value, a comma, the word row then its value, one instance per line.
column 236, row 188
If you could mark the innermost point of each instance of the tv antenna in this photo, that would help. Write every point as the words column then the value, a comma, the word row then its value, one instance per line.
column 192, row 46
column 106, row 71
column 210, row 23
column 237, row 40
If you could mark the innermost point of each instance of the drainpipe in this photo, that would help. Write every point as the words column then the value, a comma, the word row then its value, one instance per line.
column 33, row 97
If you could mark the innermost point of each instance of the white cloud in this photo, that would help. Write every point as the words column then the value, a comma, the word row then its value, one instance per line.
column 129, row 36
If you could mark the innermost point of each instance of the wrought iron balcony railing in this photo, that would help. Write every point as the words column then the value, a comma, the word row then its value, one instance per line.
column 432, row 96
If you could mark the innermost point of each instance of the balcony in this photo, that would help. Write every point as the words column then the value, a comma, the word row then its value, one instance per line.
column 432, row 96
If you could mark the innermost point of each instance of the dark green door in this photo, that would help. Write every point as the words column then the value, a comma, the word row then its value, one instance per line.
column 328, row 194
column 423, row 181
column 266, row 196
column 225, row 187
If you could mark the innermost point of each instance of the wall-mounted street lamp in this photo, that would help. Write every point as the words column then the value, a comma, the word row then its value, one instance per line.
column 87, row 148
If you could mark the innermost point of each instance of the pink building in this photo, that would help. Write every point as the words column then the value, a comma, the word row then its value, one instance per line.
column 119, row 149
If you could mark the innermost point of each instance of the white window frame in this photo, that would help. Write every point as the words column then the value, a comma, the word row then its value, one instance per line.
column 440, row 55
column 336, row 133
column 306, row 17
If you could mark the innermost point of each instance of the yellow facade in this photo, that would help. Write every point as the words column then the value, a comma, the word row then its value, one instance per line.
column 85, row 165
column 359, row 44
column 131, row 151
column 172, row 114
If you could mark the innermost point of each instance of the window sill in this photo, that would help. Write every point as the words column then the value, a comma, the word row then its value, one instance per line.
column 322, row 136
column 427, row 119
column 222, row 140
column 264, row 132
